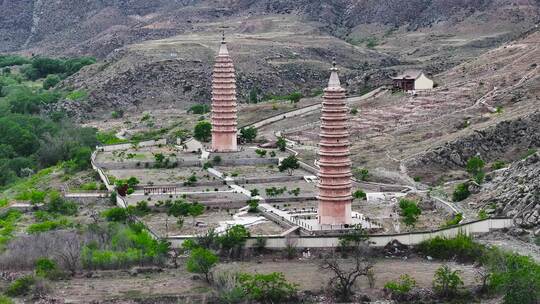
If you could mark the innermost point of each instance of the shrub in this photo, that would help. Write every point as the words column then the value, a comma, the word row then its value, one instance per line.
column 267, row 288
column 361, row 174
column 446, row 281
column 253, row 205
column 281, row 144
column 5, row 300
column 529, row 153
column 475, row 165
column 216, row 159
column 191, row 181
column 51, row 81
column 260, row 152
column 61, row 223
column 461, row 192
column 359, row 194
column 116, row 214
column 202, row 261
column 48, row 269
column 8, row 219
column 410, row 211
column 260, row 244
column 9, row 60
column 20, row 286
column 117, row 114
column 77, row 95
column 401, row 287
column 516, row 277
column 57, row 204
column 140, row 209
column 462, row 247
column 203, row 131
column 295, row 97
column 129, row 245
column 482, row 214
column 199, row 109
column 498, row 165
column 455, row 220
column 254, row 192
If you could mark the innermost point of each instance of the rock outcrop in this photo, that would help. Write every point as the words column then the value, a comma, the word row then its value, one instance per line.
column 508, row 140
column 515, row 192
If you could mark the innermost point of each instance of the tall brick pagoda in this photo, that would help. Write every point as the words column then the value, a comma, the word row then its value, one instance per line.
column 224, row 123
column 335, row 184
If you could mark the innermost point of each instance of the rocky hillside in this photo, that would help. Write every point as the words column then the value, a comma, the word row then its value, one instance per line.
column 515, row 192
column 98, row 27
column 159, row 53
column 273, row 55
column 505, row 141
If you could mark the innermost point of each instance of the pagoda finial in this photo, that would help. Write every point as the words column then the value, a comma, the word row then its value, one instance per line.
column 334, row 77
column 223, row 48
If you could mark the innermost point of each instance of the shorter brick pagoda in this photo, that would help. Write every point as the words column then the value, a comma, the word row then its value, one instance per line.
column 224, row 112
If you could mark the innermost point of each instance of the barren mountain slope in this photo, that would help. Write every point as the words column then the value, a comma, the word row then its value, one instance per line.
column 275, row 55
column 97, row 27
column 393, row 131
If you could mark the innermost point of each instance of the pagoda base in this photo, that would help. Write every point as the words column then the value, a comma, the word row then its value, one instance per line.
column 224, row 143
column 335, row 213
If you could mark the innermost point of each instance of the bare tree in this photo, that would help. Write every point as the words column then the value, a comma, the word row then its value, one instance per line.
column 69, row 252
column 345, row 275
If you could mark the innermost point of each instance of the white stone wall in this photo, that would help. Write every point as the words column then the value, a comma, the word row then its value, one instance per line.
column 278, row 242
column 423, row 83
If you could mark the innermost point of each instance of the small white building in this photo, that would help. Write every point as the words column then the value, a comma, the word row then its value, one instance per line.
column 412, row 80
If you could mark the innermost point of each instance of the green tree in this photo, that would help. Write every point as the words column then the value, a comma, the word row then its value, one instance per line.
column 202, row 261
column 253, row 98
column 281, row 144
column 359, row 194
column 461, row 192
column 475, row 166
column 51, row 81
column 446, row 281
column 234, row 239
column 289, row 164
column 203, row 131
column 248, row 134
column 195, row 210
column 410, row 211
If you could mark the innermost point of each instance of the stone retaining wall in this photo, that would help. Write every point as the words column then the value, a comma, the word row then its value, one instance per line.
column 280, row 242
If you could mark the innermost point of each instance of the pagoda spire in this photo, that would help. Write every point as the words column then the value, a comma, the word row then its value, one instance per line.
column 224, row 112
column 335, row 184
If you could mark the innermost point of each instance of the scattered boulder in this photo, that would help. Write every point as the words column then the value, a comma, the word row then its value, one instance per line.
column 396, row 249
column 144, row 270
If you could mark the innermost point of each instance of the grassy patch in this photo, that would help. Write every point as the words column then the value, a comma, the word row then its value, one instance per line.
column 77, row 95
column 109, row 138
column 57, row 224
column 8, row 220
